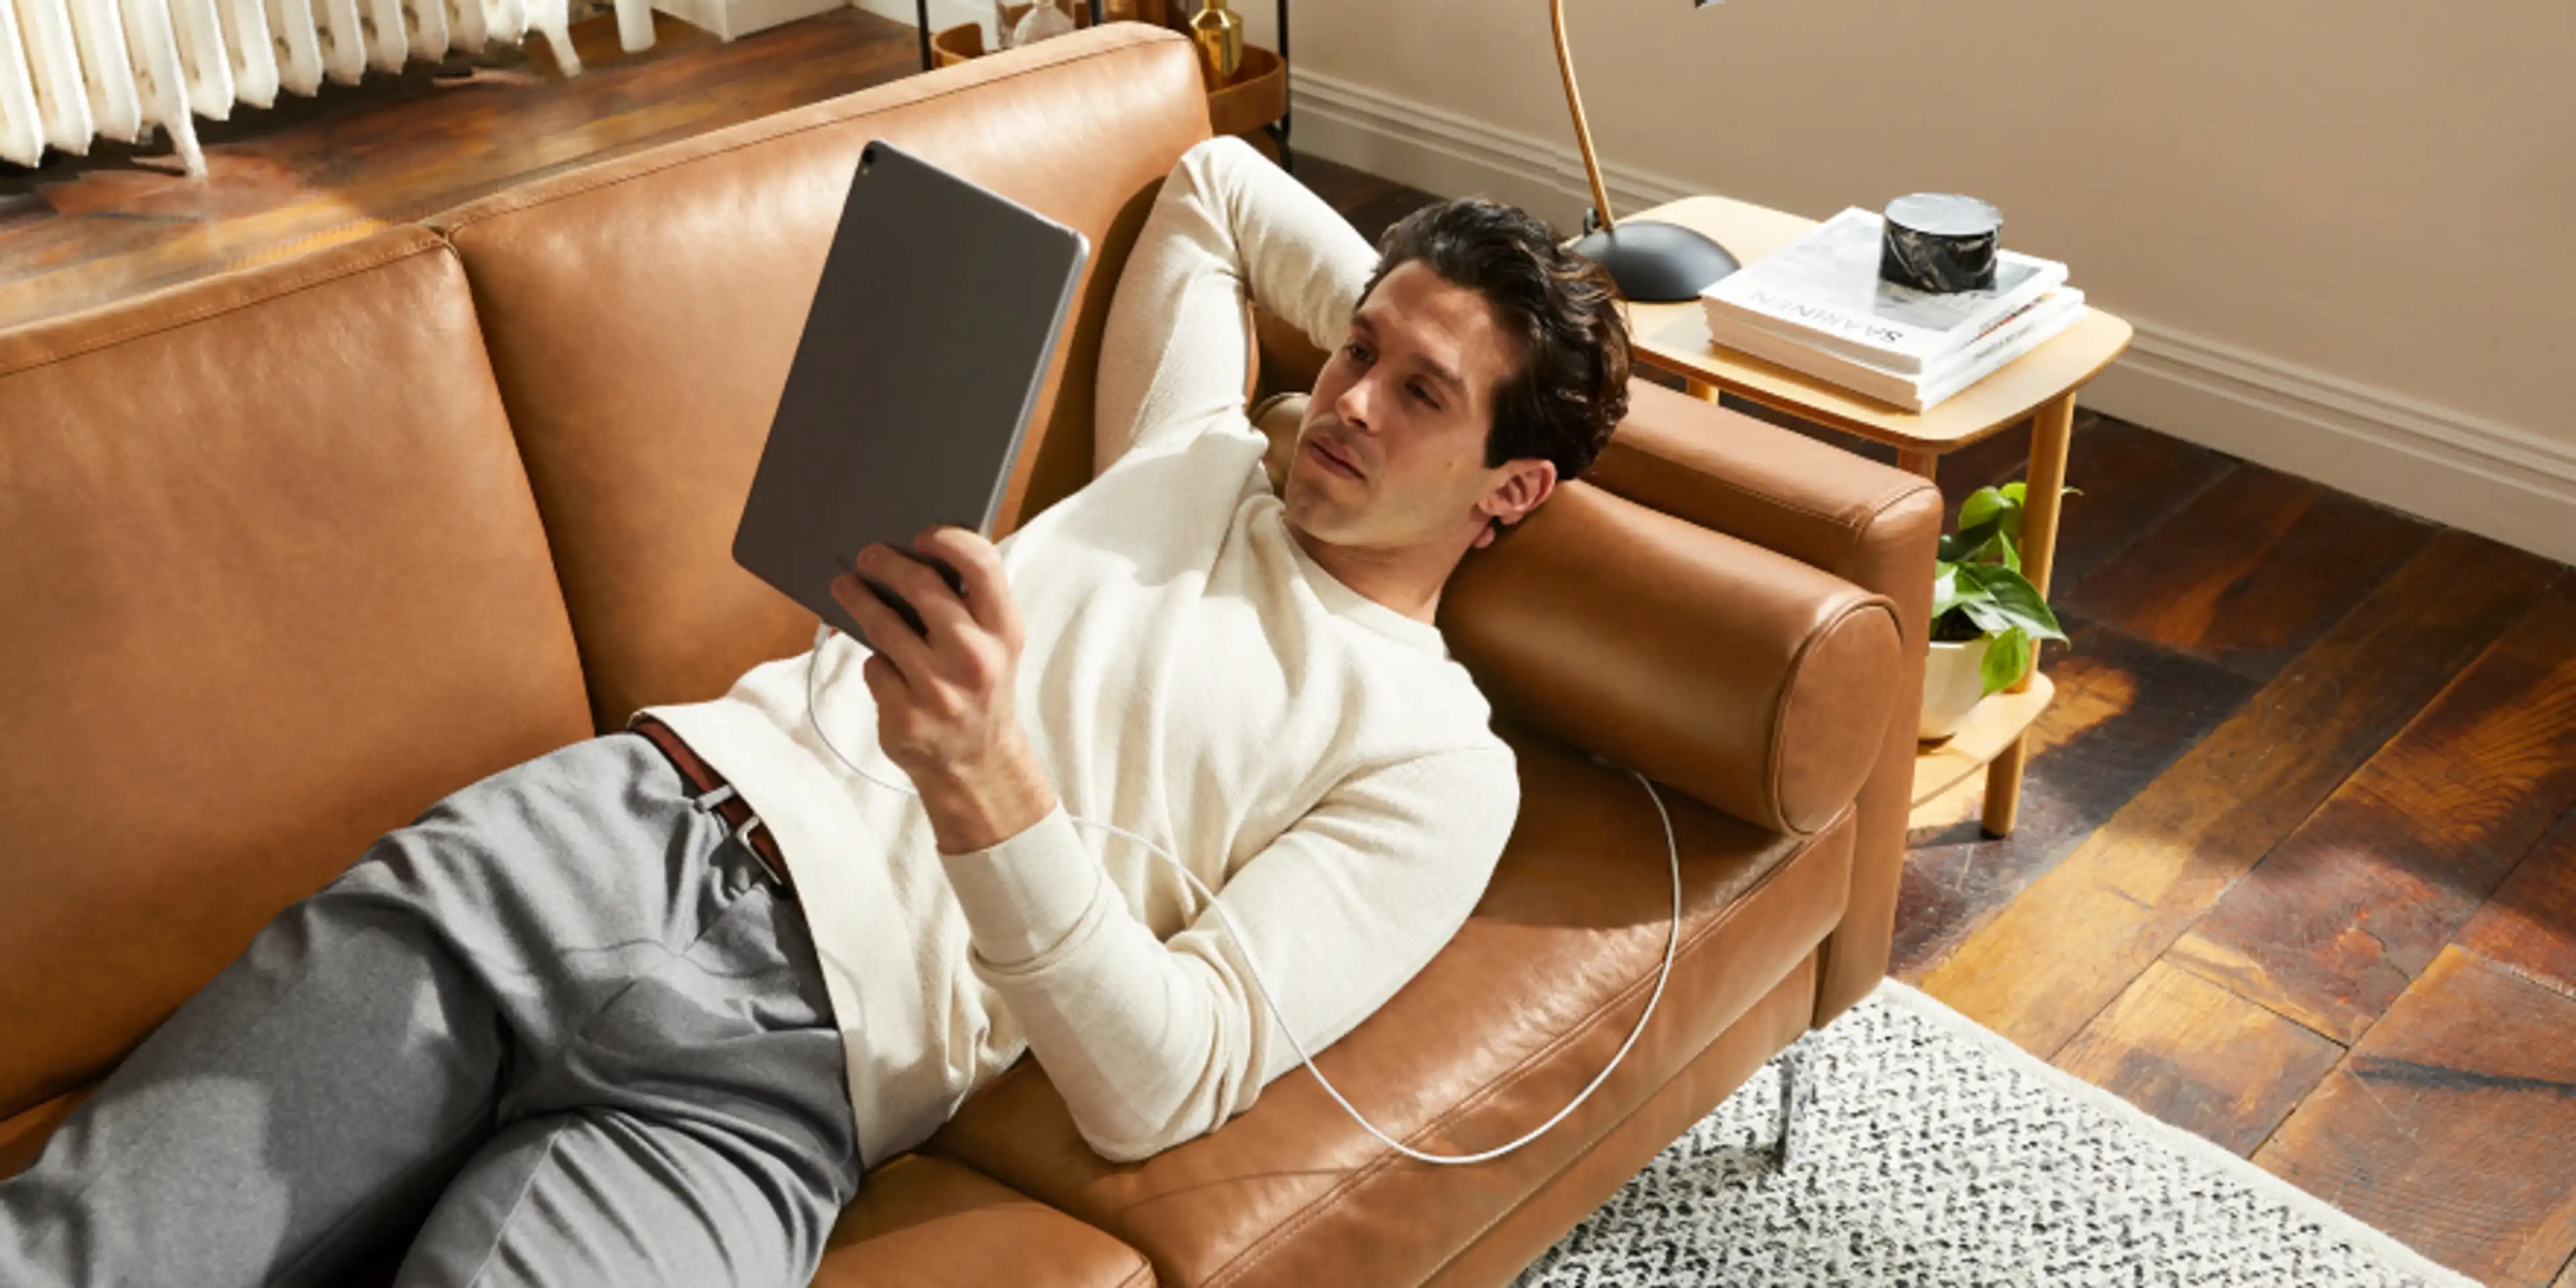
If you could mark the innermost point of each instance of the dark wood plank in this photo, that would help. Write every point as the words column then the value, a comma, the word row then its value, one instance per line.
column 2332, row 925
column 2124, row 711
column 2251, row 570
column 2064, row 949
column 2529, row 927
column 1345, row 188
column 401, row 147
column 1370, row 203
column 1997, row 458
column 2133, row 480
column 1375, row 215
column 2130, row 479
column 2200, row 1057
column 2448, row 1124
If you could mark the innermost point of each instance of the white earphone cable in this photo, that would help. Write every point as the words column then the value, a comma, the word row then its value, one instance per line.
column 1672, row 940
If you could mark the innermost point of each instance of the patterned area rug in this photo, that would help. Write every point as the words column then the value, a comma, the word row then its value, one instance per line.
column 1933, row 1151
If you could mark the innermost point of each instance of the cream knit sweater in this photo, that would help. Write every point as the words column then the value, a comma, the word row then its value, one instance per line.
column 1191, row 674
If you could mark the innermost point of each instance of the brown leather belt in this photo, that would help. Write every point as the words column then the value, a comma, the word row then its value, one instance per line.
column 732, row 809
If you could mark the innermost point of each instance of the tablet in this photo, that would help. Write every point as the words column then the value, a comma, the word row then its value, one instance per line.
column 930, row 333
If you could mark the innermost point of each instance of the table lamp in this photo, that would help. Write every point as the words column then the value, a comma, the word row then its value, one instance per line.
column 1653, row 263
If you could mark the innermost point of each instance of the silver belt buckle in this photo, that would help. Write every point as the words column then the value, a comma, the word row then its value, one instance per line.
column 742, row 837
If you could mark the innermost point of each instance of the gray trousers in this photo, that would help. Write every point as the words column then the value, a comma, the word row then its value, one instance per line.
column 562, row 1026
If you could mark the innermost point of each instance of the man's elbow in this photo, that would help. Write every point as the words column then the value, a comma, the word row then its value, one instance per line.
column 1131, row 1146
column 1122, row 1151
column 1138, row 1137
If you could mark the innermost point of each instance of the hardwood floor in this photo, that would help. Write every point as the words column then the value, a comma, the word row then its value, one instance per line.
column 2296, row 863
column 80, row 231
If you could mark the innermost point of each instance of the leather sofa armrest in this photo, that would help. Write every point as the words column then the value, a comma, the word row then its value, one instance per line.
column 1757, row 683
column 1867, row 523
column 922, row 1222
column 1870, row 524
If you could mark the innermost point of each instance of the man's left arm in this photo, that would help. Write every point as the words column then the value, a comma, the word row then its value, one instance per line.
column 1155, row 1042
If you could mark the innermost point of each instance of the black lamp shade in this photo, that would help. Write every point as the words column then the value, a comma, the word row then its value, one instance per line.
column 1657, row 263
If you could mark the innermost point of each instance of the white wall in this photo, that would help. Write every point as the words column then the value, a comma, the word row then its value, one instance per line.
column 2344, row 229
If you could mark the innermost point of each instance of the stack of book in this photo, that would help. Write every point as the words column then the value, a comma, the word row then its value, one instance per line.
column 1817, row 306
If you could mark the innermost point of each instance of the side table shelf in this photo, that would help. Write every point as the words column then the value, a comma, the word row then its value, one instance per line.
column 1993, row 728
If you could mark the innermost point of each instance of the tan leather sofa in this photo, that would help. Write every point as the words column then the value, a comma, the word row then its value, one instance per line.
column 293, row 552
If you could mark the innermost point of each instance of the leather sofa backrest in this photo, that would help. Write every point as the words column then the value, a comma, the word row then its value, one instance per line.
column 642, row 315
column 275, row 585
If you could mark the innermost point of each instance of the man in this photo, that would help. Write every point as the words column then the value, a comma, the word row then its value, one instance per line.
column 574, row 1026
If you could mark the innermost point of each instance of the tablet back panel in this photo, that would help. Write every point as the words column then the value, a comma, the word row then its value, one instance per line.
column 930, row 334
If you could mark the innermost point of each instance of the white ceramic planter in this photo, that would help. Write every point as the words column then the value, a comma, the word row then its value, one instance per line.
column 1951, row 685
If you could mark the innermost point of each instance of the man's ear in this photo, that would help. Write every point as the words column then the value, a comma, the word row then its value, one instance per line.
column 1528, row 483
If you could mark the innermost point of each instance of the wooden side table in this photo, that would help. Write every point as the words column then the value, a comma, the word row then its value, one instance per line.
column 2040, row 385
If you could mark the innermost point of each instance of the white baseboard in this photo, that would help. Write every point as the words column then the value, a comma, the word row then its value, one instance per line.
column 728, row 19
column 1441, row 151
column 944, row 14
column 2495, row 480
column 2477, row 475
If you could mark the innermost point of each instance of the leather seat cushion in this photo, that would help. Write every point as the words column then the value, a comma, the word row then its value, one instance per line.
column 922, row 1222
column 1499, row 1032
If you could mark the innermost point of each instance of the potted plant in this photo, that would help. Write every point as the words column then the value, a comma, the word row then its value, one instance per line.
column 1987, row 619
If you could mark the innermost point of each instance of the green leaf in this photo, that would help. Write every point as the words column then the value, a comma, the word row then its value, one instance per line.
column 2005, row 660
column 1982, row 507
column 1948, row 589
column 2011, row 597
column 1966, row 543
column 2017, row 492
column 1988, row 617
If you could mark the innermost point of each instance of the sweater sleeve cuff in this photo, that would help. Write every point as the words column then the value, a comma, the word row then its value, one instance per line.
column 1025, row 894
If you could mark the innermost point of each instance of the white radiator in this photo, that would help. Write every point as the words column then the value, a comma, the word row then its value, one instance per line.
column 76, row 70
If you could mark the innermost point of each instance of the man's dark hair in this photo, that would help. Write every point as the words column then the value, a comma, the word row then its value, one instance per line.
column 1571, row 388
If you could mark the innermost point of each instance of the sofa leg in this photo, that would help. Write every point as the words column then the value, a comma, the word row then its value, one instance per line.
column 1796, row 1088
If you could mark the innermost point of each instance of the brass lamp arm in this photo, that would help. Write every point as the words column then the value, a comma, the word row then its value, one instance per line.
column 1574, row 101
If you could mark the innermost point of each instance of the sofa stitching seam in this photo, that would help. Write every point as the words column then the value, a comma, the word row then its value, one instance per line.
column 568, row 193
column 1778, row 770
column 115, row 338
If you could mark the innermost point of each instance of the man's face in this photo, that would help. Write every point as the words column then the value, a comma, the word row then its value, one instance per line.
column 1406, row 403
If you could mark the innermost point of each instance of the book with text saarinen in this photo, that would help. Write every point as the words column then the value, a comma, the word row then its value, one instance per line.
column 2022, row 331
column 1825, row 288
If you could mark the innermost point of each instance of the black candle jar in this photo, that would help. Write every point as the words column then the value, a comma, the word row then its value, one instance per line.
column 1940, row 242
